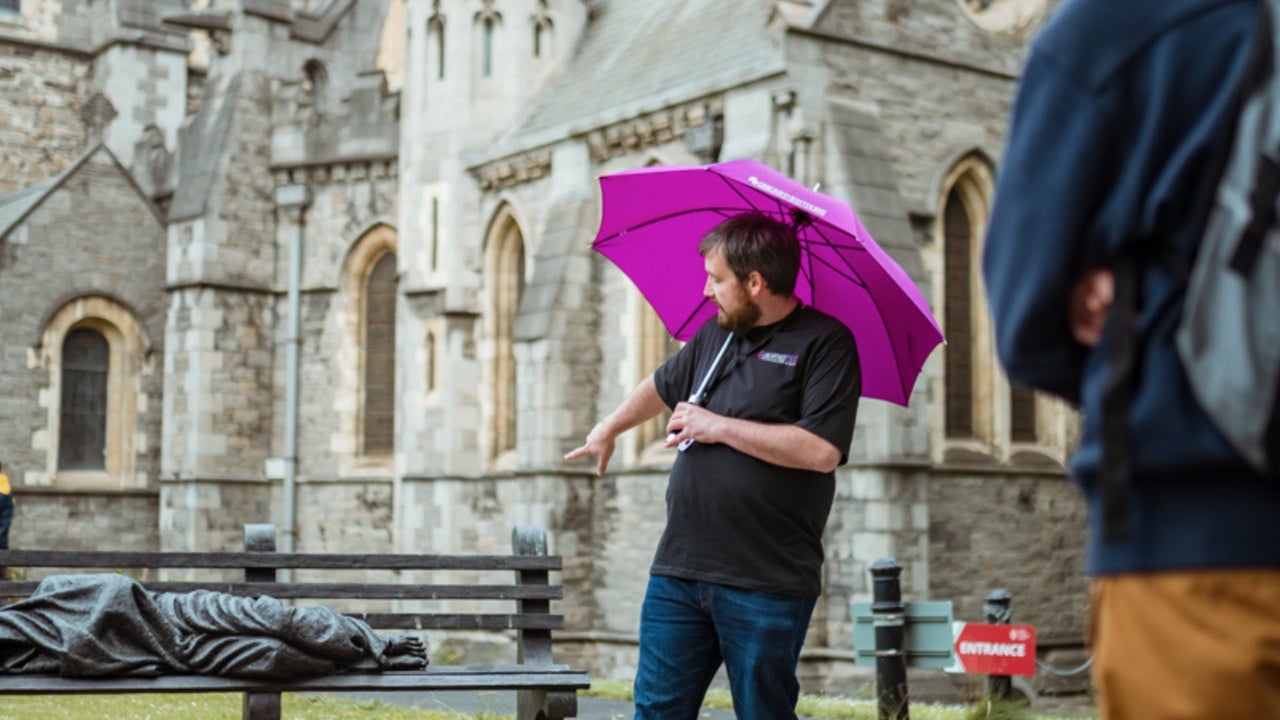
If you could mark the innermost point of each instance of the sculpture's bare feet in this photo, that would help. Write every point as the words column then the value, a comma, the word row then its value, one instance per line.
column 404, row 652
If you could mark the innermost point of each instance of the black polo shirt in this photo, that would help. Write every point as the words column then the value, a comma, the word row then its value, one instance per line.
column 733, row 519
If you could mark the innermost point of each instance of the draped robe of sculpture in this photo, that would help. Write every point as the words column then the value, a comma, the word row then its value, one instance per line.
column 102, row 625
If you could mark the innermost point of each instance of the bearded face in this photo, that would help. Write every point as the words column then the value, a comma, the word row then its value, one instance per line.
column 737, row 311
column 740, row 314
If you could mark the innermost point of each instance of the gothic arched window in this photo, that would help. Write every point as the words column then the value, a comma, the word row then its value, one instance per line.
column 316, row 79
column 958, row 319
column 981, row 412
column 541, row 29
column 487, row 21
column 380, row 357
column 435, row 41
column 82, row 430
column 505, row 269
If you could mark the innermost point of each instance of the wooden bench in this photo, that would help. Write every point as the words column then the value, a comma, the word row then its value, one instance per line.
column 545, row 690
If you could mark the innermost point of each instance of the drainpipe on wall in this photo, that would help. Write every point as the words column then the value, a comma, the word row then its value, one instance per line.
column 294, row 200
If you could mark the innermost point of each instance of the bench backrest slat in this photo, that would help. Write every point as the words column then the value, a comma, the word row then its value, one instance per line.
column 460, row 621
column 363, row 591
column 401, row 592
column 243, row 560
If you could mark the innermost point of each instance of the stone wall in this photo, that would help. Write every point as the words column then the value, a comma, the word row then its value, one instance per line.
column 50, row 519
column 929, row 111
column 222, row 265
column 1028, row 541
column 1024, row 533
column 219, row 400
column 198, row 515
column 352, row 204
column 42, row 93
column 937, row 29
column 117, row 262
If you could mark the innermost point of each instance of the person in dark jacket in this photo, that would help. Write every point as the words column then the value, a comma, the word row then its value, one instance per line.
column 6, row 515
column 1110, row 146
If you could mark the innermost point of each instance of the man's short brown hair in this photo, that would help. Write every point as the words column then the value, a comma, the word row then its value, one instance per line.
column 754, row 241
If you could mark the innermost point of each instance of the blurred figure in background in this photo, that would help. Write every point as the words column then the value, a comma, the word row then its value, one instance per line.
column 1118, row 120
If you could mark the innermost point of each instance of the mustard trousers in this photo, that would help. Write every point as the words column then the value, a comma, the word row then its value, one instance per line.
column 1196, row 645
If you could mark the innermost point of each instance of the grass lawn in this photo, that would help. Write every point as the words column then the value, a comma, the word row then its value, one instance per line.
column 220, row 706
column 843, row 708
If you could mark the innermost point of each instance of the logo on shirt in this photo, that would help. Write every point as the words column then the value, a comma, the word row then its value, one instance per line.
column 778, row 358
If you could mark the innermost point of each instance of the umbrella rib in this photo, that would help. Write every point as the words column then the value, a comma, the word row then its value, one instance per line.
column 737, row 190
column 689, row 318
column 724, row 211
column 893, row 348
column 857, row 280
column 850, row 275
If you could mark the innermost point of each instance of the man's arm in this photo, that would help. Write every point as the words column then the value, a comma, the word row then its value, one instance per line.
column 642, row 404
column 778, row 444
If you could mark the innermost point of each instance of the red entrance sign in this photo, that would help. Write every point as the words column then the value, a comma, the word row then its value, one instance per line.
column 996, row 649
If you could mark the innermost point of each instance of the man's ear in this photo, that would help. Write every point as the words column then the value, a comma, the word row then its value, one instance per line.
column 756, row 284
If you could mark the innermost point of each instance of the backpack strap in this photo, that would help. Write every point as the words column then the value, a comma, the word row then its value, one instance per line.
column 1266, row 181
column 1272, row 437
column 1262, row 216
column 1121, row 340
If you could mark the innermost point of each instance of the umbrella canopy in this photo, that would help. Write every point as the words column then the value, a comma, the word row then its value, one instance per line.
column 654, row 217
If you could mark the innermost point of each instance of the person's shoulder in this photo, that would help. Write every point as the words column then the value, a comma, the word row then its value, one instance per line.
column 1135, row 21
column 813, row 320
column 710, row 327
column 1095, row 39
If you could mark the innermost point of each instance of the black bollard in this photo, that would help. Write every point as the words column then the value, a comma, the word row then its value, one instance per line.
column 888, row 615
column 998, row 612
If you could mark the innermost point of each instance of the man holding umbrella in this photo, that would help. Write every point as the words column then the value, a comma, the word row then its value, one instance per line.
column 775, row 385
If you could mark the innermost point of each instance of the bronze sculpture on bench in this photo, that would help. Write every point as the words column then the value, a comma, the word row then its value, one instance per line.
column 110, row 625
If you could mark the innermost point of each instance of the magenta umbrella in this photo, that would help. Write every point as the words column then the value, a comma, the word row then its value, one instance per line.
column 654, row 218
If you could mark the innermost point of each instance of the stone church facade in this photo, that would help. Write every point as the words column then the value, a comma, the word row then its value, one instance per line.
column 326, row 263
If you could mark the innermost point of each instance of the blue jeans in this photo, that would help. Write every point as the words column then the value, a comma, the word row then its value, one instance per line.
column 687, row 629
column 6, row 516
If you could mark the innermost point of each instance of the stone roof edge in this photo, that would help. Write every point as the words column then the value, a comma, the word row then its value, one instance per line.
column 325, row 170
column 54, row 182
column 316, row 28
column 631, row 123
column 65, row 174
column 802, row 13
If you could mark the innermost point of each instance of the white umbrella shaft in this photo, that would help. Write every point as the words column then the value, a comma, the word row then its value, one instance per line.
column 699, row 396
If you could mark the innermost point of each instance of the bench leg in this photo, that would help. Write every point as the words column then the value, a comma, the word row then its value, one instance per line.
column 261, row 706
column 543, row 705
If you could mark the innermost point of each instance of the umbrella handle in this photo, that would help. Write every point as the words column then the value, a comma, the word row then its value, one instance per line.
column 699, row 396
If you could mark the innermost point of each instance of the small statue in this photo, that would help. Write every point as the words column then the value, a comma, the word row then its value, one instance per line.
column 109, row 624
